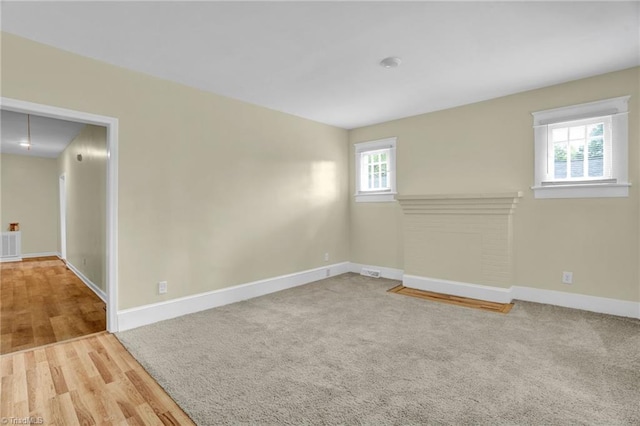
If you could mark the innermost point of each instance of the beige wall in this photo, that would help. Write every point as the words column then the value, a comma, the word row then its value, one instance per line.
column 488, row 147
column 29, row 187
column 213, row 192
column 86, row 184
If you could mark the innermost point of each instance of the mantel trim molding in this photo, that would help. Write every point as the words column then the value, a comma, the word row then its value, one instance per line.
column 502, row 203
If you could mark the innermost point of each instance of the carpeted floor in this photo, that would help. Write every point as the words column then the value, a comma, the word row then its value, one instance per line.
column 344, row 351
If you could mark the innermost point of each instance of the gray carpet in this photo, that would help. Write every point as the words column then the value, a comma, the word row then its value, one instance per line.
column 343, row 351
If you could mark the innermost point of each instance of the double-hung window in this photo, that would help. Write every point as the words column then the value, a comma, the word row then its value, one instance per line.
column 581, row 150
column 375, row 170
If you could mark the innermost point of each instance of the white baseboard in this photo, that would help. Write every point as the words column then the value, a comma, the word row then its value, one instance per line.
column 148, row 314
column 97, row 290
column 603, row 305
column 391, row 273
column 29, row 256
column 455, row 288
column 43, row 254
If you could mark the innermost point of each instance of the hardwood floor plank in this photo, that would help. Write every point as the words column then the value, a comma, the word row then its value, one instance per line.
column 20, row 382
column 82, row 412
column 21, row 409
column 32, row 385
column 67, row 409
column 104, row 372
column 6, row 367
column 6, row 395
column 65, row 384
column 453, row 300
column 46, row 388
column 43, row 302
column 59, row 383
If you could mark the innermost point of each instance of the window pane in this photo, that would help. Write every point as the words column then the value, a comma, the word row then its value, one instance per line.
column 577, row 159
column 576, row 132
column 559, row 134
column 595, row 129
column 374, row 170
column 560, row 161
column 596, row 157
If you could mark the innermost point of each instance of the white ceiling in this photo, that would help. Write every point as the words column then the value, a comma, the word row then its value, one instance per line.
column 319, row 60
column 49, row 137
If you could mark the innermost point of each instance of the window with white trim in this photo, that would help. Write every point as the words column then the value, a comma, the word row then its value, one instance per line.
column 376, row 170
column 581, row 151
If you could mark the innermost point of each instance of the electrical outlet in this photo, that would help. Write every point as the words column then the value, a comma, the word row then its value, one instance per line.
column 567, row 277
column 326, row 257
column 84, row 261
column 162, row 287
column 328, row 272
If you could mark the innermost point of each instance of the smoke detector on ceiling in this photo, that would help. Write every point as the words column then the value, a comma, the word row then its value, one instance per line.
column 390, row 62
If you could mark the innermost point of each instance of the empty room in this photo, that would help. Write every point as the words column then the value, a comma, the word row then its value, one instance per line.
column 321, row 212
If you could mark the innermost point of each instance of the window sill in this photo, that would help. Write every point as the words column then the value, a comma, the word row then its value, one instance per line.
column 376, row 197
column 595, row 190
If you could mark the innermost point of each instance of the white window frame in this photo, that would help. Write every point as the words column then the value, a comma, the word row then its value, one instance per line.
column 615, row 109
column 376, row 196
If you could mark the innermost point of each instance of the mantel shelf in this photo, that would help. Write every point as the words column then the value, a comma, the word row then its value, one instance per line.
column 502, row 203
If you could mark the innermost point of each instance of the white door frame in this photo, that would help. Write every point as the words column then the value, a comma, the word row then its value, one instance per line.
column 62, row 180
column 111, row 124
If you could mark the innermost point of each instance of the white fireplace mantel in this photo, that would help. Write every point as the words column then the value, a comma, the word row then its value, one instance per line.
column 502, row 203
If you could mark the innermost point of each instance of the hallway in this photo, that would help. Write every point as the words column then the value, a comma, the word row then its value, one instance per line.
column 43, row 302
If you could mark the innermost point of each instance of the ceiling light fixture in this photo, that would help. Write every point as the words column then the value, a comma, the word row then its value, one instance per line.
column 390, row 62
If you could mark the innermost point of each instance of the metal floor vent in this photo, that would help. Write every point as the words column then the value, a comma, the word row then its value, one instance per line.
column 373, row 273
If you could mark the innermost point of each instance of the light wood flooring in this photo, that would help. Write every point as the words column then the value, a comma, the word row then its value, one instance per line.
column 91, row 380
column 453, row 300
column 42, row 302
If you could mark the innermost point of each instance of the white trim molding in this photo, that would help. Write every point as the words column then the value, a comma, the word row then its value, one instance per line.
column 456, row 288
column 376, row 196
column 97, row 290
column 42, row 254
column 603, row 305
column 111, row 124
column 594, row 190
column 148, row 314
column 502, row 203
column 615, row 113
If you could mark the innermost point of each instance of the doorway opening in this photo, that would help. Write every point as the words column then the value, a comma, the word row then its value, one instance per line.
column 109, row 240
column 63, row 217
